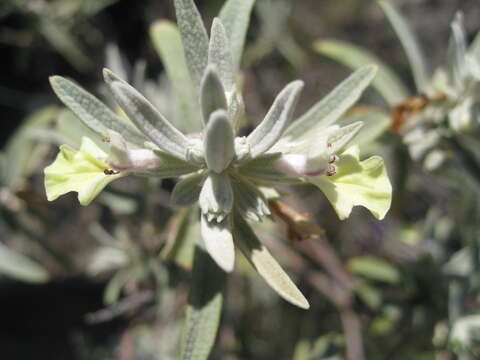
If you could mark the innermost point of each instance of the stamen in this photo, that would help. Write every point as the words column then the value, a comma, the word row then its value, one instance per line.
column 110, row 172
column 331, row 170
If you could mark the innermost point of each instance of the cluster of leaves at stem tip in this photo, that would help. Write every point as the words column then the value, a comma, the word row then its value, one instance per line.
column 230, row 177
column 445, row 103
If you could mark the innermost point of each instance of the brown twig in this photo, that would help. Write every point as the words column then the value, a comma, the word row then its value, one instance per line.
column 310, row 239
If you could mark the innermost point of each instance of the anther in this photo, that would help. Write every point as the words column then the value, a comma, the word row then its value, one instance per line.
column 331, row 170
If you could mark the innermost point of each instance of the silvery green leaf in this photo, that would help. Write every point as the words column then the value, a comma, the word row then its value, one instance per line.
column 115, row 61
column 374, row 268
column 236, row 109
column 180, row 244
column 204, row 308
column 115, row 286
column 266, row 265
column 271, row 128
column 338, row 139
column 186, row 191
column 19, row 148
column 212, row 93
column 147, row 118
column 168, row 44
column 410, row 44
column 473, row 65
column 329, row 109
column 457, row 50
column 249, row 201
column 18, row 266
column 220, row 54
column 474, row 48
column 235, row 15
column 263, row 168
column 194, row 38
column 216, row 197
column 219, row 141
column 61, row 38
column 375, row 124
column 171, row 166
column 218, row 241
column 94, row 114
column 387, row 82
column 71, row 129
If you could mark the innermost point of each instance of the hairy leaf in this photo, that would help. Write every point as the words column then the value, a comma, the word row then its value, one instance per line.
column 171, row 166
column 329, row 109
column 410, row 44
column 235, row 16
column 212, row 94
column 147, row 118
column 249, row 201
column 218, row 240
column 94, row 114
column 204, row 308
column 216, row 197
column 387, row 83
column 220, row 54
column 187, row 190
column 271, row 128
column 219, row 141
column 18, row 266
column 374, row 268
column 168, row 44
column 266, row 265
column 194, row 38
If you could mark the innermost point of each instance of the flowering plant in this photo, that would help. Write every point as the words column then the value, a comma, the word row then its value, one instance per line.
column 230, row 177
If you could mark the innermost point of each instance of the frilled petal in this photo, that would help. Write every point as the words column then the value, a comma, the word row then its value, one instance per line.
column 81, row 170
column 364, row 183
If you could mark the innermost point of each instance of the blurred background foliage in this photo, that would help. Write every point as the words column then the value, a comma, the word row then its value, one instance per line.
column 110, row 281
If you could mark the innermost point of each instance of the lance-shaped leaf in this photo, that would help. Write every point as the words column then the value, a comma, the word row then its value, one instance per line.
column 387, row 83
column 375, row 123
column 94, row 114
column 249, row 201
column 219, row 141
column 264, row 168
column 18, row 266
column 171, row 166
column 82, row 171
column 363, row 183
column 147, row 118
column 457, row 51
column 329, row 109
column 216, row 197
column 235, row 16
column 271, row 128
column 334, row 141
column 410, row 44
column 187, row 190
column 212, row 93
column 194, row 38
column 183, row 231
column 218, row 241
column 266, row 265
column 220, row 54
column 20, row 146
column 168, row 44
column 204, row 308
